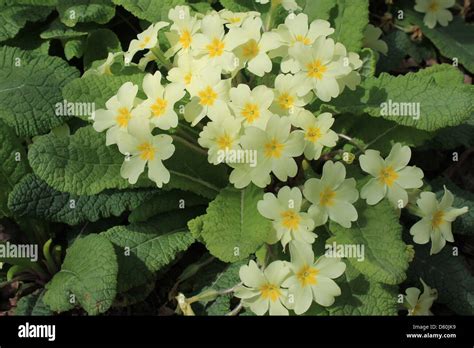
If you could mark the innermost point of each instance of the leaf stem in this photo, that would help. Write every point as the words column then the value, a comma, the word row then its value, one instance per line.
column 161, row 58
column 188, row 144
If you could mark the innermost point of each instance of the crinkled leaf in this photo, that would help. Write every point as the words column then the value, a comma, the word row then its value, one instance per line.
column 351, row 19
column 32, row 304
column 453, row 41
column 13, row 17
column 164, row 202
column 31, row 86
column 143, row 249
column 320, row 9
column 98, row 45
column 448, row 273
column 34, row 198
column 233, row 228
column 13, row 164
column 72, row 12
column 149, row 9
column 89, row 272
column 441, row 104
column 363, row 296
column 377, row 229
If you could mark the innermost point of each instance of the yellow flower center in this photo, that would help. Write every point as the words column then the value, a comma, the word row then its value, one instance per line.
column 251, row 49
column 147, row 151
column 251, row 112
column 285, row 101
column 159, row 107
column 316, row 69
column 434, row 7
column 185, row 39
column 438, row 219
column 326, row 197
column 270, row 291
column 273, row 149
column 303, row 39
column 388, row 176
column 313, row 134
column 234, row 20
column 207, row 96
column 145, row 41
column 187, row 78
column 307, row 276
column 215, row 48
column 224, row 142
column 123, row 117
column 291, row 219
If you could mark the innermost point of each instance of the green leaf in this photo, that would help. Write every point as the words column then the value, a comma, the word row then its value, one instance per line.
column 164, row 202
column 145, row 248
column 13, row 17
column 30, row 86
column 233, row 228
column 32, row 304
column 74, row 48
column 80, row 164
column 447, row 273
column 97, row 89
column 377, row 229
column 72, row 12
column 463, row 224
column 89, row 272
column 441, row 103
column 363, row 296
column 149, row 9
column 13, row 164
column 34, row 198
column 239, row 5
column 320, row 9
column 98, row 45
column 350, row 22
column 380, row 134
column 369, row 61
column 452, row 137
column 57, row 30
column 453, row 41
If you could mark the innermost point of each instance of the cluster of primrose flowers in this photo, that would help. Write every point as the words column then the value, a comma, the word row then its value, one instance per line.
column 209, row 53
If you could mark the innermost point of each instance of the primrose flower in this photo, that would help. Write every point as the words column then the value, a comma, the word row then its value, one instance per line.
column 312, row 280
column 275, row 147
column 287, row 101
column 436, row 220
column 235, row 19
column 120, row 110
column 288, row 220
column 420, row 305
column 254, row 52
column 142, row 148
column 190, row 72
column 436, row 11
column 332, row 196
column 210, row 99
column 353, row 61
column 215, row 45
column 372, row 39
column 319, row 69
column 251, row 106
column 317, row 132
column 391, row 177
column 182, row 30
column 145, row 40
column 160, row 103
column 296, row 30
column 261, row 290
column 220, row 135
